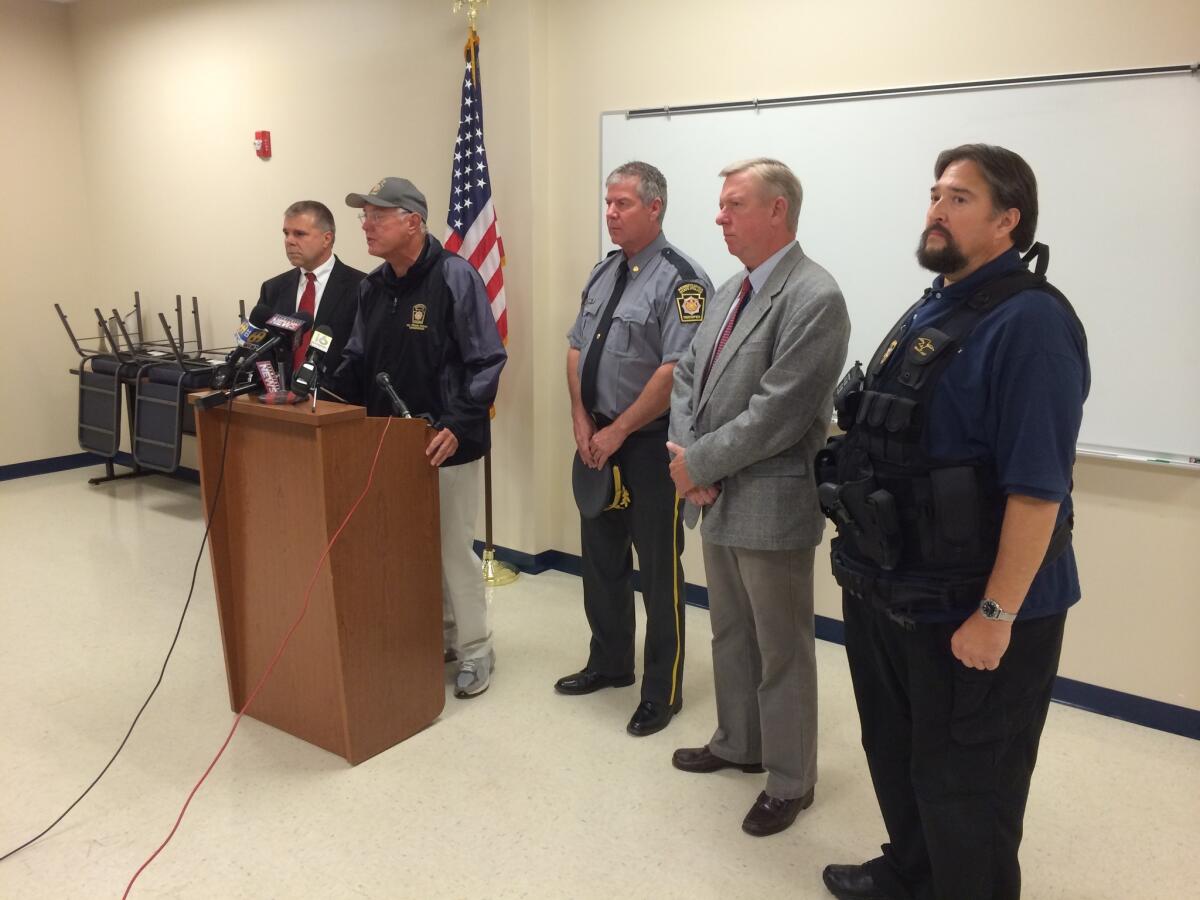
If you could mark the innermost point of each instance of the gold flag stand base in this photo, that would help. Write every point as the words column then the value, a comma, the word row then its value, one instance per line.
column 496, row 573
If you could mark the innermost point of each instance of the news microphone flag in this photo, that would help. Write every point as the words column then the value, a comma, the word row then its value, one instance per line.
column 471, row 228
column 268, row 376
column 248, row 333
column 322, row 339
column 294, row 327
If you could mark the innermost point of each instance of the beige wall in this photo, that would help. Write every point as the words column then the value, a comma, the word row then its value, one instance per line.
column 168, row 96
column 46, row 231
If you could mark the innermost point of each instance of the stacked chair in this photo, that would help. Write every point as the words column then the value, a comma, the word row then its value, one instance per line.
column 153, row 379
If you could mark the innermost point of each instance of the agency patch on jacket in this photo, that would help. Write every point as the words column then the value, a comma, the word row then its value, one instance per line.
column 418, row 317
column 689, row 299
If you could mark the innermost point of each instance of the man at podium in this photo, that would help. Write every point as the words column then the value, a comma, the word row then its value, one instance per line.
column 424, row 319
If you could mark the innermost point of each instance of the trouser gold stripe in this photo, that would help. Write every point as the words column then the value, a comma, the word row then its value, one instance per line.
column 675, row 567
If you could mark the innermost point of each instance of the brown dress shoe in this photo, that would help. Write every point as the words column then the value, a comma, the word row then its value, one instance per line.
column 703, row 760
column 770, row 815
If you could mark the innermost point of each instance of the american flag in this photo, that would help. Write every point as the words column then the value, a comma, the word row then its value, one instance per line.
column 471, row 229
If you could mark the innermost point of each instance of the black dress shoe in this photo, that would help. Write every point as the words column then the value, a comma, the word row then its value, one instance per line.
column 770, row 815
column 703, row 760
column 851, row 883
column 585, row 682
column 650, row 717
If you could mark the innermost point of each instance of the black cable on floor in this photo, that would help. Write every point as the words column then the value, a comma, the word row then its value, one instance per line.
column 162, row 672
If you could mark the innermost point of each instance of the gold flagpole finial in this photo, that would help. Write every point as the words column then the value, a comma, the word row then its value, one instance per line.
column 472, row 10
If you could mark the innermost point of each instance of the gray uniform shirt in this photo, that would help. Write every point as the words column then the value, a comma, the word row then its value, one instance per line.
column 654, row 322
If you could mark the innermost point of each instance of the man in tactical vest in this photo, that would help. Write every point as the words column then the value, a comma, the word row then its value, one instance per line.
column 951, row 492
column 640, row 308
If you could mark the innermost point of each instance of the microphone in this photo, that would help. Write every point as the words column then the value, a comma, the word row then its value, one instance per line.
column 398, row 406
column 276, row 394
column 269, row 377
column 248, row 337
column 259, row 315
column 283, row 329
column 294, row 326
column 256, row 340
column 306, row 376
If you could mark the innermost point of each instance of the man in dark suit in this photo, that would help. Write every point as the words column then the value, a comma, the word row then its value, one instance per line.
column 749, row 410
column 332, row 286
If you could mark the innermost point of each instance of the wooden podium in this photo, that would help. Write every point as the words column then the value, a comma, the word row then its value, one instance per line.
column 364, row 669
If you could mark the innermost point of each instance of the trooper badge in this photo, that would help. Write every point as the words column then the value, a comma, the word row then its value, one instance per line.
column 689, row 298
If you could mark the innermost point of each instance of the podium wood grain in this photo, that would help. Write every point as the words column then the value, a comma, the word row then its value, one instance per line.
column 363, row 671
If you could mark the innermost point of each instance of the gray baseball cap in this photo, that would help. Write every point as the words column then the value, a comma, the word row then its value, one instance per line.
column 397, row 193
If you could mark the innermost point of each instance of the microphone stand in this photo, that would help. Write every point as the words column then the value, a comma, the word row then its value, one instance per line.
column 316, row 387
column 221, row 397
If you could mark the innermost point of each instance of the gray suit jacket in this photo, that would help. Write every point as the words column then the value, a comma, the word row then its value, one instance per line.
column 764, row 412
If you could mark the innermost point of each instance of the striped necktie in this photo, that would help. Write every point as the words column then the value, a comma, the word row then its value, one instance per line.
column 738, row 305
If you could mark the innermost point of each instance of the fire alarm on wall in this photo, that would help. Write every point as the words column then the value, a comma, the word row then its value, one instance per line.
column 262, row 144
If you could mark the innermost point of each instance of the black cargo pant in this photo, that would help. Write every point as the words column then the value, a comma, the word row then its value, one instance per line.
column 652, row 524
column 951, row 750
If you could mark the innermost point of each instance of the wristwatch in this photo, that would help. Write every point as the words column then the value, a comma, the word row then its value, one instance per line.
column 992, row 610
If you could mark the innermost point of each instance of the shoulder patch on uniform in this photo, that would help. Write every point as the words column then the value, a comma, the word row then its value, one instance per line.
column 596, row 273
column 607, row 256
column 690, row 297
column 682, row 266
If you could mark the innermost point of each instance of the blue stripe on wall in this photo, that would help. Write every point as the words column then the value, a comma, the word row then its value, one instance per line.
column 1115, row 704
column 1128, row 707
column 1155, row 714
column 83, row 461
column 46, row 466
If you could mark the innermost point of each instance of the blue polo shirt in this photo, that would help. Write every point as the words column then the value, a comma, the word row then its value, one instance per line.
column 1014, row 394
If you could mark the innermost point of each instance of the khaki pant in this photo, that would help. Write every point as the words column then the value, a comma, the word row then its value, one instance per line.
column 760, row 603
column 466, row 623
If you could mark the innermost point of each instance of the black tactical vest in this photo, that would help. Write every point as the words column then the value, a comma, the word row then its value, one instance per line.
column 915, row 533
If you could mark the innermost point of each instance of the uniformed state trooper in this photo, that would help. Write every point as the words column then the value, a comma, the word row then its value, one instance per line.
column 640, row 309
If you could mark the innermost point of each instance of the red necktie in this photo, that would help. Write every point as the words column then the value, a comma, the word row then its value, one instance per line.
column 743, row 294
column 308, row 304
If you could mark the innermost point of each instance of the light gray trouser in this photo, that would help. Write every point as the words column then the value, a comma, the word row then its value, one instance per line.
column 764, row 662
column 466, row 624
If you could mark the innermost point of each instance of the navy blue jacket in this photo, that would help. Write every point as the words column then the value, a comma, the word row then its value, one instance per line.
column 432, row 331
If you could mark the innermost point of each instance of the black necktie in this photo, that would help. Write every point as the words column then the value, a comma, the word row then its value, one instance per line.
column 595, row 350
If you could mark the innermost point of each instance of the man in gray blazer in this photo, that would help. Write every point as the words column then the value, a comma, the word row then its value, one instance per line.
column 750, row 408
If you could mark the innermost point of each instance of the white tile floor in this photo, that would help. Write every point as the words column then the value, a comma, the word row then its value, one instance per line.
column 519, row 793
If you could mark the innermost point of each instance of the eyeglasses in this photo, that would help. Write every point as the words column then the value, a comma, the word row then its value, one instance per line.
column 375, row 216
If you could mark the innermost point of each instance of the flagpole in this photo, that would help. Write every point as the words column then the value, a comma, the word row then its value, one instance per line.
column 495, row 573
column 472, row 10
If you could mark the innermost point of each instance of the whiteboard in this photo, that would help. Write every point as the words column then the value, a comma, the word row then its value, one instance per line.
column 1118, row 168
